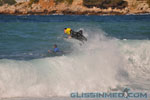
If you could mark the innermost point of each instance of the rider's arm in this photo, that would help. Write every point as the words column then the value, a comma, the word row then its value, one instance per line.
column 49, row 51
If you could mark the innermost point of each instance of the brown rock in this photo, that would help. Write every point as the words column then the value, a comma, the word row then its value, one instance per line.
column 109, row 9
column 46, row 4
column 125, row 11
column 49, row 7
column 142, row 7
column 148, row 10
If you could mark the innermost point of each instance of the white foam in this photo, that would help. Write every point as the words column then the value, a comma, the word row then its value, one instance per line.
column 98, row 65
column 137, row 56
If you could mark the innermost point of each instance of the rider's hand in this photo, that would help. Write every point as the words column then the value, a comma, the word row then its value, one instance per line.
column 69, row 37
column 49, row 51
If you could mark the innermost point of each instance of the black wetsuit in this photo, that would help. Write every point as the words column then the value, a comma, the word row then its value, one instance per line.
column 78, row 35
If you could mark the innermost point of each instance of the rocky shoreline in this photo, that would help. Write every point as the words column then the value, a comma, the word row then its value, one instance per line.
column 63, row 9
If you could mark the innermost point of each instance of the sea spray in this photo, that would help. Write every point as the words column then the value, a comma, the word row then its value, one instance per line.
column 136, row 53
column 91, row 67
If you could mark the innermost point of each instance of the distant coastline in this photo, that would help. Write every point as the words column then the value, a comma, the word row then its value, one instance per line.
column 74, row 9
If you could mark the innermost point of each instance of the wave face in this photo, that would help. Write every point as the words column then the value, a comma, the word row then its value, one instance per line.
column 91, row 67
column 101, row 64
column 116, row 56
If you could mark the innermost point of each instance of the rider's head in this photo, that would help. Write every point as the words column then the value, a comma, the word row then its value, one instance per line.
column 55, row 46
column 65, row 30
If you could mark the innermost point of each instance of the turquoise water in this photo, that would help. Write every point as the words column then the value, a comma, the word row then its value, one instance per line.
column 116, row 55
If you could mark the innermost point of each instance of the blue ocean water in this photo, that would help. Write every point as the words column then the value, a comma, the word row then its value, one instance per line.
column 29, row 37
column 116, row 55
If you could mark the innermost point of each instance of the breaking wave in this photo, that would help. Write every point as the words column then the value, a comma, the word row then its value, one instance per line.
column 101, row 64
